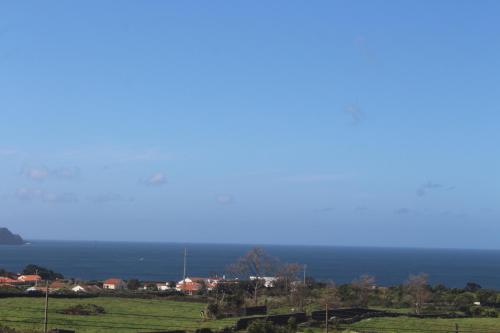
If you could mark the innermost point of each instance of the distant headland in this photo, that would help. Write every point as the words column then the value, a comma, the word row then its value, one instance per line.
column 8, row 238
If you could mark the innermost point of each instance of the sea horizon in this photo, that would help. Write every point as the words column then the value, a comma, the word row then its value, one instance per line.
column 261, row 244
column 163, row 261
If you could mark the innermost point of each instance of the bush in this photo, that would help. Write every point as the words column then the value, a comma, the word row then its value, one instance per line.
column 212, row 311
column 83, row 310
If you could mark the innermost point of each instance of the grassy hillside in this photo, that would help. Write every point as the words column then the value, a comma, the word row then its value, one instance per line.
column 415, row 325
column 122, row 315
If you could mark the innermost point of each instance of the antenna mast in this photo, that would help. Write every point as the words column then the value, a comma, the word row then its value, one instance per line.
column 185, row 261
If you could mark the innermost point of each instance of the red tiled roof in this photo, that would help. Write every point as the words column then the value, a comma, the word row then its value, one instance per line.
column 113, row 281
column 4, row 279
column 30, row 278
column 189, row 286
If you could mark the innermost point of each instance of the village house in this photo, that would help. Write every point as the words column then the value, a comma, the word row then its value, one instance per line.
column 160, row 286
column 269, row 281
column 89, row 289
column 32, row 279
column 36, row 289
column 59, row 285
column 114, row 284
column 7, row 280
column 191, row 285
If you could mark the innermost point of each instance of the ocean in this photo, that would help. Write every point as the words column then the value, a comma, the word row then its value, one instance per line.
column 164, row 261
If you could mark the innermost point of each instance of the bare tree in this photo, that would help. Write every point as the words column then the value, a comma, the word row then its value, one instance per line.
column 288, row 274
column 362, row 288
column 256, row 264
column 417, row 288
column 329, row 296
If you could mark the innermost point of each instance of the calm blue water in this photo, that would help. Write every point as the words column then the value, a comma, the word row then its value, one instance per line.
column 163, row 261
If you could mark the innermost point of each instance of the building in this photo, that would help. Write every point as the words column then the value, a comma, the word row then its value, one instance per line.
column 269, row 281
column 59, row 285
column 29, row 278
column 114, row 284
column 7, row 280
column 89, row 289
column 191, row 285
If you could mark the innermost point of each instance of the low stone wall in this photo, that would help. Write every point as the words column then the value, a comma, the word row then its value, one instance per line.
column 300, row 317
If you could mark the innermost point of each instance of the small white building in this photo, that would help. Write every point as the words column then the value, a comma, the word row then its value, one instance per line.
column 114, row 284
column 269, row 281
column 85, row 289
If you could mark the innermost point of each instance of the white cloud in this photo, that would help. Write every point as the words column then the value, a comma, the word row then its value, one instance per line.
column 156, row 179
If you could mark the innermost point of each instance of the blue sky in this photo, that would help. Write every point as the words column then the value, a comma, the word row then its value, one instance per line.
column 297, row 122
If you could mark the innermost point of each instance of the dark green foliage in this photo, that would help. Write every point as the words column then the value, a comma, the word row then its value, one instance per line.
column 464, row 300
column 212, row 311
column 133, row 284
column 45, row 273
column 479, row 311
column 472, row 287
column 262, row 326
column 83, row 310
column 5, row 329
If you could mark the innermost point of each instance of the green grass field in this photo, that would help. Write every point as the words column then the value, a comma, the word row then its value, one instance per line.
column 139, row 315
column 415, row 325
column 122, row 315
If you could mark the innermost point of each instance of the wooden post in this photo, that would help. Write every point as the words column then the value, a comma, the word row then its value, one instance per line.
column 456, row 328
column 46, row 316
column 326, row 317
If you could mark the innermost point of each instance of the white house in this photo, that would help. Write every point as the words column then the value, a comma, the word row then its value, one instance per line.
column 268, row 280
column 85, row 289
column 114, row 284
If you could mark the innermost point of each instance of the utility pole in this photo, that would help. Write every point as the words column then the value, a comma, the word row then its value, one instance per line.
column 305, row 268
column 326, row 317
column 46, row 317
column 185, row 262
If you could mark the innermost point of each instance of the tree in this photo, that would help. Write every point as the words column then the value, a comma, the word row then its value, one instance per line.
column 464, row 300
column 418, row 290
column 472, row 287
column 329, row 296
column 362, row 288
column 44, row 273
column 257, row 264
column 133, row 284
column 287, row 275
column 299, row 295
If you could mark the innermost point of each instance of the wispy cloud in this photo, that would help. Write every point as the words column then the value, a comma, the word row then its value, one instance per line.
column 5, row 152
column 324, row 209
column 425, row 188
column 224, row 199
column 365, row 50
column 403, row 211
column 361, row 209
column 355, row 113
column 30, row 194
column 105, row 198
column 313, row 178
column 156, row 179
column 43, row 173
